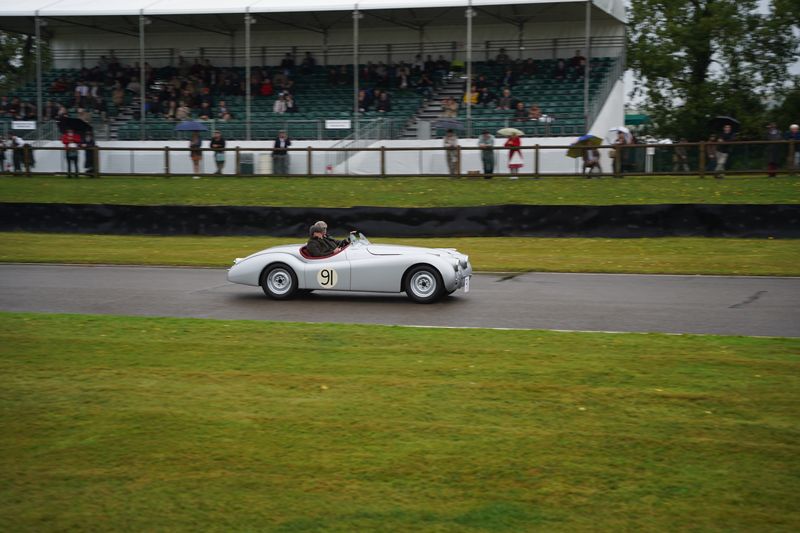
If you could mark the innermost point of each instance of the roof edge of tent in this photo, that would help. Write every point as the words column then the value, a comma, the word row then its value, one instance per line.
column 55, row 8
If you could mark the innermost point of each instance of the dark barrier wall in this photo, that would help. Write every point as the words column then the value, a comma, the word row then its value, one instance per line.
column 501, row 220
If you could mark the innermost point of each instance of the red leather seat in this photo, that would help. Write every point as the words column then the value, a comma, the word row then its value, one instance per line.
column 306, row 255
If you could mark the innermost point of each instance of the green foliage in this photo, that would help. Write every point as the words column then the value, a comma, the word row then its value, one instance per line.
column 18, row 59
column 696, row 59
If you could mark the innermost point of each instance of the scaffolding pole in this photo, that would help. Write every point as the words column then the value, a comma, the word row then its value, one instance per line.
column 247, row 82
column 39, row 104
column 470, row 14
column 586, row 70
column 142, row 76
column 356, row 15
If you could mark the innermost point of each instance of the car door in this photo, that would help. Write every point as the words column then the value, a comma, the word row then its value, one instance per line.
column 331, row 273
column 374, row 273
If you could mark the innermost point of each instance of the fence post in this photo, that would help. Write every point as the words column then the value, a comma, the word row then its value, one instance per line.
column 792, row 156
column 96, row 161
column 458, row 161
column 702, row 159
column 166, row 161
column 238, row 162
column 309, row 154
column 536, row 161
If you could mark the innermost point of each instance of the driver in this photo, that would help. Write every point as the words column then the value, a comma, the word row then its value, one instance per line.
column 319, row 244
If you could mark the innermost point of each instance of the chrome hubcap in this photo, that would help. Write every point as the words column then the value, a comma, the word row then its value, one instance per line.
column 423, row 284
column 279, row 281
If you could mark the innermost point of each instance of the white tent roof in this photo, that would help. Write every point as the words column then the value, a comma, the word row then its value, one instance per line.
column 93, row 8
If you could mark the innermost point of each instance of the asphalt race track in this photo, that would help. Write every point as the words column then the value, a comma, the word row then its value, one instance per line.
column 586, row 302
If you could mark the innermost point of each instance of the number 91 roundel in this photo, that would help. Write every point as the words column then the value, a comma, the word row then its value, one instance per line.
column 327, row 278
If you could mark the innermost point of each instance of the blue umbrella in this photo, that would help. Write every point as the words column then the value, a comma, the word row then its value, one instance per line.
column 584, row 141
column 191, row 125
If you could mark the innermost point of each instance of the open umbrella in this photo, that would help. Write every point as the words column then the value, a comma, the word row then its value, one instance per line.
column 191, row 125
column 507, row 132
column 719, row 122
column 586, row 141
column 449, row 124
column 75, row 124
column 624, row 130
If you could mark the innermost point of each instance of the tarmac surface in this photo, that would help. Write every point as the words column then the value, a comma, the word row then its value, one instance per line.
column 755, row 306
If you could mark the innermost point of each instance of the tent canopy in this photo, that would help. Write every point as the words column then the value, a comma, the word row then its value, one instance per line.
column 313, row 14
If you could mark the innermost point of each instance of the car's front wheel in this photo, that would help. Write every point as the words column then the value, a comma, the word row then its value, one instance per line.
column 424, row 284
column 279, row 282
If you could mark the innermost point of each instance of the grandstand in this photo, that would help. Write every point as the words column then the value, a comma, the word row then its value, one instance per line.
column 243, row 38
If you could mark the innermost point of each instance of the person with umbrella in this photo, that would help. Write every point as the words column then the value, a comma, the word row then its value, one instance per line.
column 486, row 144
column 724, row 150
column 71, row 140
column 196, row 153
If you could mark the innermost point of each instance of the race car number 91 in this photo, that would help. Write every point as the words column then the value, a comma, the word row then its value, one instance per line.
column 327, row 278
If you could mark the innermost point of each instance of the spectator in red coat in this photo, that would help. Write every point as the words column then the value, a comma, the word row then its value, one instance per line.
column 71, row 140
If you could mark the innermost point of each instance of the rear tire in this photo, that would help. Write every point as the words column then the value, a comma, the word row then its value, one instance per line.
column 279, row 282
column 424, row 284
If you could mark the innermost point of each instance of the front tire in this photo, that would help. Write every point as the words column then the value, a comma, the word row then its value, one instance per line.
column 279, row 282
column 424, row 284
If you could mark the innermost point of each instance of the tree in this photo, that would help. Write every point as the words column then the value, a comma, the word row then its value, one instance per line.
column 695, row 59
column 18, row 59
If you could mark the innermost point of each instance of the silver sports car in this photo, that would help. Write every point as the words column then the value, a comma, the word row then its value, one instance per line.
column 425, row 274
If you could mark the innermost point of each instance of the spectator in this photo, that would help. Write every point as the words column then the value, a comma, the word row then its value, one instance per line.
column 560, row 71
column 450, row 108
column 363, row 101
column 711, row 153
column 724, row 150
column 280, row 157
column 619, row 154
column 118, row 96
column 794, row 135
column 205, row 112
column 482, row 82
column 89, row 152
column 291, row 105
column 513, row 144
column 384, row 104
column 577, row 60
column 509, row 79
column 451, row 151
column 196, row 154
column 529, row 67
column 680, row 158
column 308, row 63
column 425, row 86
column 266, row 88
column 473, row 95
column 486, row 97
column 183, row 112
column 101, row 108
column 520, row 113
column 486, row 144
column 71, row 141
column 222, row 109
column 218, row 145
column 227, row 117
column 279, row 107
column 153, row 107
column 16, row 145
column 535, row 113
column 171, row 110
column 85, row 115
column 505, row 102
column 2, row 154
column 81, row 92
column 591, row 162
column 502, row 57
column 287, row 64
column 773, row 150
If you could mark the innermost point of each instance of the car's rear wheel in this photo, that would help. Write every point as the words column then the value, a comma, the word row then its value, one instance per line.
column 424, row 284
column 279, row 282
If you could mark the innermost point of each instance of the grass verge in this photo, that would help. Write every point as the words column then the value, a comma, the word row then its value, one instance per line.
column 758, row 257
column 114, row 423
column 399, row 192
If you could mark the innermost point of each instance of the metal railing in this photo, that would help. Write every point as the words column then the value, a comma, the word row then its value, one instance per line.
column 745, row 157
column 342, row 53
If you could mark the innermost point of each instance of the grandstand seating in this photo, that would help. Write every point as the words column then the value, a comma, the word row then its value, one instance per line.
column 317, row 100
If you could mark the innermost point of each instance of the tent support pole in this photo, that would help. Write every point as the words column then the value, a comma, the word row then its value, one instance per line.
column 356, row 15
column 470, row 14
column 247, row 81
column 142, row 76
column 586, row 70
column 39, row 104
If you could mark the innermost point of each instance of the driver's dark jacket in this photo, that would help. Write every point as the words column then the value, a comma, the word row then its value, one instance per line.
column 321, row 246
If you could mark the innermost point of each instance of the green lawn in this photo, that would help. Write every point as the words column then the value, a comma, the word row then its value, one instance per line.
column 146, row 424
column 762, row 257
column 399, row 192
